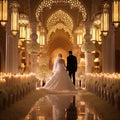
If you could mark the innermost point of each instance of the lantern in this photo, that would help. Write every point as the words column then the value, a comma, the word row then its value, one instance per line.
column 14, row 17
column 79, row 34
column 23, row 22
column 3, row 12
column 105, row 20
column 116, row 13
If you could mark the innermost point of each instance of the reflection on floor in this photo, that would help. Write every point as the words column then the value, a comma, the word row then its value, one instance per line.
column 62, row 107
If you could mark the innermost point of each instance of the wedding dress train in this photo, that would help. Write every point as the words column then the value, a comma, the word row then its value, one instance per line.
column 60, row 80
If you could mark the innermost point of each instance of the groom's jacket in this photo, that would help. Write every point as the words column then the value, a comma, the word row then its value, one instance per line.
column 71, row 63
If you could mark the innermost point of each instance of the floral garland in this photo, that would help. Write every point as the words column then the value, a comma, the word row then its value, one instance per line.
column 88, row 46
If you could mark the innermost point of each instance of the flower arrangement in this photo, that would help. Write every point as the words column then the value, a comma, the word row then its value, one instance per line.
column 88, row 46
column 44, row 71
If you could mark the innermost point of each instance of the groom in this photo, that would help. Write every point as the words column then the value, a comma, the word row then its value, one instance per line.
column 72, row 65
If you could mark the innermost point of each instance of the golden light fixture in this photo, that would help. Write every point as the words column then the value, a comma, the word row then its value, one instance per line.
column 79, row 34
column 23, row 22
column 19, row 43
column 41, row 36
column 96, row 35
column 14, row 17
column 28, row 33
column 79, row 39
column 116, row 13
column 105, row 20
column 3, row 12
column 93, row 33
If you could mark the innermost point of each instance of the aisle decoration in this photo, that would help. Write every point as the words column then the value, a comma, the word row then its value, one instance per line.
column 105, row 85
column 44, row 71
column 15, row 86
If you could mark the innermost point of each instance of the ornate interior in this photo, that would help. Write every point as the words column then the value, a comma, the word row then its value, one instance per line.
column 59, row 26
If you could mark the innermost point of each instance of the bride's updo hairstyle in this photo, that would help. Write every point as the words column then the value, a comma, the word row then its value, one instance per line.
column 60, row 55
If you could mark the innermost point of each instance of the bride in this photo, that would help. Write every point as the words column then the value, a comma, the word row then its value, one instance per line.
column 60, row 80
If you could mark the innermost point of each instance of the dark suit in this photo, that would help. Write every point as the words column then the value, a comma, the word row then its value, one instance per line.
column 72, row 66
column 72, row 111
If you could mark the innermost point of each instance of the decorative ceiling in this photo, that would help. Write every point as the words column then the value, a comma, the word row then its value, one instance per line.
column 71, row 3
column 59, row 17
column 59, row 40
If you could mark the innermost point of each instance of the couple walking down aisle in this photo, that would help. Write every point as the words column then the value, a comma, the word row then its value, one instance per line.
column 60, row 80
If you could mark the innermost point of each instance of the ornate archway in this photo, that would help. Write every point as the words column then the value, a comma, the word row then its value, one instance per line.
column 71, row 3
column 60, row 23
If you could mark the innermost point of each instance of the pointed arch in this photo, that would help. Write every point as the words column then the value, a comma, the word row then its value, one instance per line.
column 60, row 26
column 60, row 17
column 72, row 3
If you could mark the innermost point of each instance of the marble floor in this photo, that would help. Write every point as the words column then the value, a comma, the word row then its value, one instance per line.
column 82, row 105
column 62, row 107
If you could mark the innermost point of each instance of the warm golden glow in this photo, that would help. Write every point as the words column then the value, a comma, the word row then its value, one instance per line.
column 97, row 60
column 80, row 32
column 99, row 40
column 14, row 17
column 105, row 20
column 96, row 33
column 60, row 16
column 97, row 22
column 23, row 22
column 82, row 62
column 72, row 3
column 3, row 12
column 116, row 12
column 22, row 32
column 59, row 26
column 40, row 117
column 42, row 40
column 28, row 33
column 93, row 33
column 22, row 65
column 41, row 36
column 79, row 39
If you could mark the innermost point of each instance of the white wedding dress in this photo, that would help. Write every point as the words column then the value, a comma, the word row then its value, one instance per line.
column 60, row 103
column 60, row 80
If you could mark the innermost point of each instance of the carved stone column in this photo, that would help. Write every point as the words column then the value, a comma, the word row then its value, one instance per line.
column 33, row 60
column 88, row 62
column 34, row 27
column 33, row 49
column 87, row 48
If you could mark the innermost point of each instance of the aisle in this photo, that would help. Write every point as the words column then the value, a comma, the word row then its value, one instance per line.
column 20, row 109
